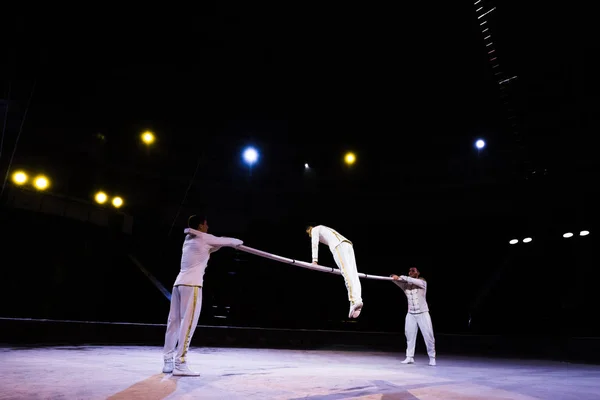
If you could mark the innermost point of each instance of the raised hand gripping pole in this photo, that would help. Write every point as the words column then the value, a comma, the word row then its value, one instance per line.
column 303, row 264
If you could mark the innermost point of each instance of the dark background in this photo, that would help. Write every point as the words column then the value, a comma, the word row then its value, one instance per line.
column 408, row 90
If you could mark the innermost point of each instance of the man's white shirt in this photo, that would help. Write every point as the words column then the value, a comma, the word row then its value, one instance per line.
column 197, row 248
column 416, row 292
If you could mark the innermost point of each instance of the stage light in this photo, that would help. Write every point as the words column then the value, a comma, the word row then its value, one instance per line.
column 19, row 177
column 41, row 182
column 148, row 137
column 101, row 197
column 306, row 166
column 480, row 144
column 514, row 241
column 568, row 235
column 584, row 233
column 117, row 202
column 527, row 240
column 250, row 155
column 349, row 158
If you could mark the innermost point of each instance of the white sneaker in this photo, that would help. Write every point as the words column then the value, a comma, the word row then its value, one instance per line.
column 432, row 361
column 355, row 310
column 408, row 360
column 183, row 370
column 168, row 367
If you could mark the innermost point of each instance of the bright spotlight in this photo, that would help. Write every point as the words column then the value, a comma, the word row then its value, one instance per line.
column 101, row 197
column 480, row 144
column 41, row 182
column 306, row 166
column 514, row 241
column 19, row 177
column 250, row 155
column 568, row 235
column 350, row 158
column 117, row 202
column 148, row 137
column 584, row 233
column 527, row 240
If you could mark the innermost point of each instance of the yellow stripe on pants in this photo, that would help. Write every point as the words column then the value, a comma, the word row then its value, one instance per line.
column 186, row 343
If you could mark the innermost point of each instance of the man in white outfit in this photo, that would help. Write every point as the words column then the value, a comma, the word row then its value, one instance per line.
column 343, row 254
column 186, row 299
column 415, row 289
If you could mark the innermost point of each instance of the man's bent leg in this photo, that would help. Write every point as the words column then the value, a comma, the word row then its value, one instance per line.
column 426, row 327
column 344, row 258
column 191, row 305
column 352, row 272
column 173, row 323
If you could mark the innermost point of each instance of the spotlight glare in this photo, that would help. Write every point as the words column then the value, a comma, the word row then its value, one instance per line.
column 250, row 155
column 117, row 202
column 148, row 137
column 101, row 197
column 19, row 177
column 514, row 241
column 350, row 158
column 480, row 144
column 584, row 233
column 527, row 240
column 306, row 166
column 568, row 235
column 41, row 182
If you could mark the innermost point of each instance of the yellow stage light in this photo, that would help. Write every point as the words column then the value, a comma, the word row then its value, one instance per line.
column 117, row 202
column 41, row 182
column 100, row 197
column 19, row 177
column 350, row 158
column 148, row 137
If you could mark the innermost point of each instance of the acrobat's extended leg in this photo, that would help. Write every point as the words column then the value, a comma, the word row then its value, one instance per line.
column 172, row 334
column 426, row 328
column 410, row 330
column 191, row 305
column 346, row 262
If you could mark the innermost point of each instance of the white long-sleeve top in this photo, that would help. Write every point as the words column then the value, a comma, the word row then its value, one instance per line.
column 327, row 236
column 197, row 248
column 416, row 292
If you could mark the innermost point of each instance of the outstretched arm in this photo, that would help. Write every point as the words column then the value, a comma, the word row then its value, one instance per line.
column 216, row 241
column 397, row 281
column 314, row 237
column 417, row 282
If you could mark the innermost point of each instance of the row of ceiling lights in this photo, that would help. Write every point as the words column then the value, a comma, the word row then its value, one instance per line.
column 566, row 236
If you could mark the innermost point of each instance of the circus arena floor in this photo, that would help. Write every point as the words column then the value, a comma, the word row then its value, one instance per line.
column 134, row 372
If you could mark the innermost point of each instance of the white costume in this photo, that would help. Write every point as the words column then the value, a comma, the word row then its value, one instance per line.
column 186, row 299
column 343, row 254
column 417, row 317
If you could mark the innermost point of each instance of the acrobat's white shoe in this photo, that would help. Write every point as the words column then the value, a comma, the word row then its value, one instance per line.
column 432, row 361
column 183, row 370
column 355, row 309
column 408, row 360
column 168, row 367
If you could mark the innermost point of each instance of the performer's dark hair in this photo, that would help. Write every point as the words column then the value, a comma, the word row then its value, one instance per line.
column 194, row 221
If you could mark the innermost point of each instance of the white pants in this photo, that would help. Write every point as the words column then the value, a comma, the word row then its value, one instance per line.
column 420, row 321
column 344, row 258
column 186, row 303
